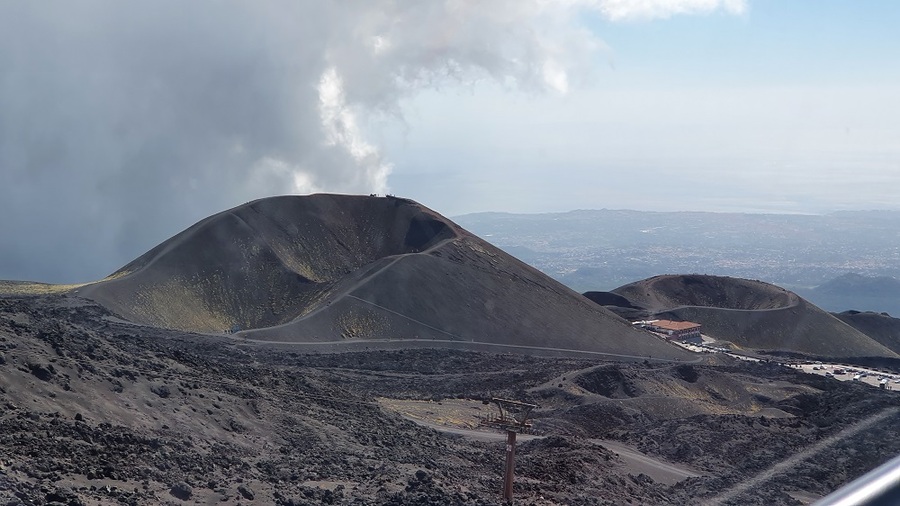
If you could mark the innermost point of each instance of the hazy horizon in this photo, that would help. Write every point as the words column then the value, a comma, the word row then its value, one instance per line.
column 623, row 209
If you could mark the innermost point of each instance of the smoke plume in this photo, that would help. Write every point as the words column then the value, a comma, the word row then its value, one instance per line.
column 123, row 122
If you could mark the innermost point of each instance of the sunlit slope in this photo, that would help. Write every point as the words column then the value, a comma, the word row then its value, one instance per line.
column 752, row 314
column 334, row 267
column 26, row 288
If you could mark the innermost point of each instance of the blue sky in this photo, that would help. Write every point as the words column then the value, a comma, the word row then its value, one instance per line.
column 788, row 107
column 774, row 42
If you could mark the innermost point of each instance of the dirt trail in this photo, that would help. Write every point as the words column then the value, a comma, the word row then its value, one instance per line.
column 473, row 345
column 346, row 292
column 659, row 470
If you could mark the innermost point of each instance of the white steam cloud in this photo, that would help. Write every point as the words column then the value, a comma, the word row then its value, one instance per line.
column 622, row 10
column 123, row 122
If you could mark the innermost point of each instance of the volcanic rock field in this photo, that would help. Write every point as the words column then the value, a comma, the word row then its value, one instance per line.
column 341, row 350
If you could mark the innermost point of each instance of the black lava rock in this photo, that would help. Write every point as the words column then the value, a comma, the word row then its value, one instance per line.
column 246, row 492
column 181, row 490
column 41, row 372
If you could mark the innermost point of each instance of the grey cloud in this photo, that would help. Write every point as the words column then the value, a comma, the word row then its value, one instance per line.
column 123, row 122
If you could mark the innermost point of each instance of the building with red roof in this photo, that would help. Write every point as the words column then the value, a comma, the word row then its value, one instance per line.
column 681, row 331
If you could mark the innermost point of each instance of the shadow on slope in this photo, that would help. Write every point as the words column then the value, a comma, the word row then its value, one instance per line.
column 618, row 305
column 879, row 326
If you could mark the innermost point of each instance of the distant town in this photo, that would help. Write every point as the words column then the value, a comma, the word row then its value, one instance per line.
column 839, row 261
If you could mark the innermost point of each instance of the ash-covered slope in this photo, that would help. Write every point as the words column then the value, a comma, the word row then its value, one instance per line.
column 752, row 314
column 879, row 326
column 334, row 267
column 265, row 262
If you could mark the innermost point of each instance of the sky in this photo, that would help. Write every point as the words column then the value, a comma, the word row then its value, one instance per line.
column 122, row 123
